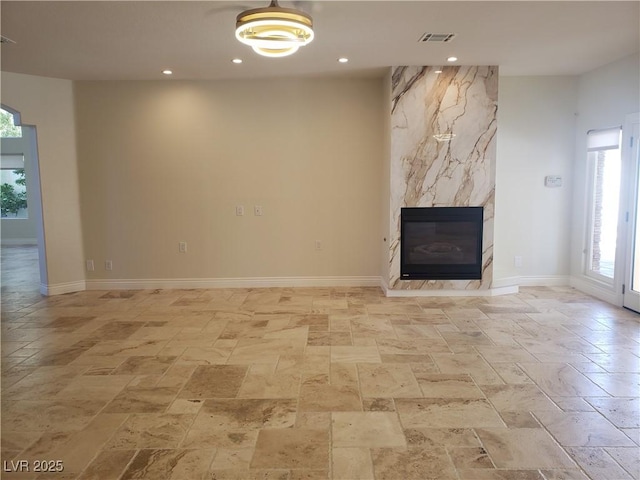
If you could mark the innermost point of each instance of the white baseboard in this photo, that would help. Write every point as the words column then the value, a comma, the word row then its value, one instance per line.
column 19, row 241
column 249, row 282
column 61, row 288
column 503, row 286
column 597, row 289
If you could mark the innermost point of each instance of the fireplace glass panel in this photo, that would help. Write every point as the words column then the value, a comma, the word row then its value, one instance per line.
column 441, row 243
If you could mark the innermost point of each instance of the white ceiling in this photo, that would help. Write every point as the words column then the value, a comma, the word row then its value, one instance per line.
column 105, row 40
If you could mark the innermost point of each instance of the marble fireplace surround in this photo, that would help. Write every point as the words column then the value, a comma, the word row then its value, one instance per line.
column 424, row 172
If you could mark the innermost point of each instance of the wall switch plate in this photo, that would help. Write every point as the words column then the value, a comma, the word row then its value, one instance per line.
column 257, row 210
column 108, row 265
column 553, row 181
column 182, row 247
column 239, row 210
column 90, row 266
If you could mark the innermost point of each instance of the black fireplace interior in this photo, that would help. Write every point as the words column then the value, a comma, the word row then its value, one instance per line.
column 441, row 243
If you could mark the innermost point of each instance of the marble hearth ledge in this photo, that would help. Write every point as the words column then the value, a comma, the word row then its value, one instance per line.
column 487, row 292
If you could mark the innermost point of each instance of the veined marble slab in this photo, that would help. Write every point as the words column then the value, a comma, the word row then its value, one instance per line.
column 427, row 173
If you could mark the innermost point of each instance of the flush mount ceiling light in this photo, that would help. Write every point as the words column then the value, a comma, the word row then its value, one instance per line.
column 274, row 31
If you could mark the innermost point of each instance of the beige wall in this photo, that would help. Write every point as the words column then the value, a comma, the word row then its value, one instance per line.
column 385, row 189
column 48, row 104
column 536, row 124
column 168, row 161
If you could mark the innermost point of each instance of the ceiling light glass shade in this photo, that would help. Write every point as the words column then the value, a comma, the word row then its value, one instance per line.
column 274, row 31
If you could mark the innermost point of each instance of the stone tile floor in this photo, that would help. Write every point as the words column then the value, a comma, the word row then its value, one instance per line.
column 318, row 383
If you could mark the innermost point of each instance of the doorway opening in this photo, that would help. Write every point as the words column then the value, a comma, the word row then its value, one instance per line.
column 23, row 257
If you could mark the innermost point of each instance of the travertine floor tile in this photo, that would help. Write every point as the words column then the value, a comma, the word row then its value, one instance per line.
column 447, row 413
column 244, row 414
column 412, row 464
column 622, row 362
column 472, row 364
column 523, row 448
column 262, row 382
column 366, row 429
column 141, row 365
column 628, row 458
column 583, row 429
column 232, row 459
column 345, row 354
column 437, row 437
column 108, row 465
column 527, row 397
column 329, row 398
column 616, row 384
column 151, row 431
column 622, row 412
column 292, row 448
column 469, row 457
column 388, row 380
column 320, row 383
column 598, row 464
column 98, row 387
column 169, row 464
column 214, row 381
column 43, row 415
column 142, row 400
column 503, row 474
column 351, row 464
column 442, row 385
column 562, row 380
column 82, row 446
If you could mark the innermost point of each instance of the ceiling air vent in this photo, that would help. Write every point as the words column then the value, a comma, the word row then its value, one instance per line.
column 437, row 37
column 4, row 39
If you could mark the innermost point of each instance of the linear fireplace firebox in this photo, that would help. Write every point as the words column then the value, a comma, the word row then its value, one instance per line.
column 441, row 243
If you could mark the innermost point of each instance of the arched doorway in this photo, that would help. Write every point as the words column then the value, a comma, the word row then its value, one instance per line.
column 24, row 267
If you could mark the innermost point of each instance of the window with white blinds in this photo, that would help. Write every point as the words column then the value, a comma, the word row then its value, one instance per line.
column 603, row 156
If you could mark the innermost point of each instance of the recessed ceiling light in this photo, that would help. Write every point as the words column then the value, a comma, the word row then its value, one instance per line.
column 437, row 71
column 343, row 60
column 237, row 60
column 167, row 72
column 452, row 59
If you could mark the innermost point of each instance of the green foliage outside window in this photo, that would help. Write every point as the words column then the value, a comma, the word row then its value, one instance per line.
column 7, row 128
column 12, row 201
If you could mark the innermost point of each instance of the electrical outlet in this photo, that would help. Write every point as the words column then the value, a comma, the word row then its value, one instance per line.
column 257, row 210
column 182, row 247
column 90, row 266
column 239, row 210
column 108, row 265
column 318, row 244
column 517, row 261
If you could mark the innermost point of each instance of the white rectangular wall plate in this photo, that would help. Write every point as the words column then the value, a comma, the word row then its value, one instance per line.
column 553, row 181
